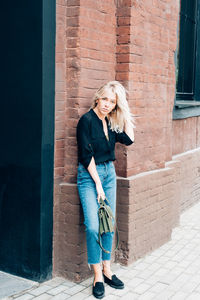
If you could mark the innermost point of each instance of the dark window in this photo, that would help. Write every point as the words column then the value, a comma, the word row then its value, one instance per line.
column 186, row 58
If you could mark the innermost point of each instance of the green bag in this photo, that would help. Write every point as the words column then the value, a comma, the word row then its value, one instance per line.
column 106, row 222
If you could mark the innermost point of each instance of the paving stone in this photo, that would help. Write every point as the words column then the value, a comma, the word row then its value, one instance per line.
column 43, row 297
column 145, row 274
column 78, row 296
column 131, row 274
column 135, row 282
column 169, row 278
column 165, row 295
column 150, row 259
column 152, row 280
column 158, row 288
column 112, row 297
column 161, row 272
column 141, row 288
column 179, row 296
column 130, row 296
column 142, row 266
column 122, row 292
column 25, row 297
column 189, row 287
column 148, row 296
column 69, row 283
column 61, row 296
column 162, row 260
column 55, row 281
column 58, row 289
column 194, row 296
column 40, row 290
column 154, row 267
column 88, row 290
column 87, row 282
column 75, row 289
column 11, row 285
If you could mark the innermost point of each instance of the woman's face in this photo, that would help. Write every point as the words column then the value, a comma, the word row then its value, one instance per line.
column 106, row 103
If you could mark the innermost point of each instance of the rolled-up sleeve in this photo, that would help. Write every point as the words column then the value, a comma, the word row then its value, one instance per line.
column 85, row 151
column 123, row 138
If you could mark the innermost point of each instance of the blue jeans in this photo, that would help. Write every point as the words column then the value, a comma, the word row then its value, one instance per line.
column 88, row 196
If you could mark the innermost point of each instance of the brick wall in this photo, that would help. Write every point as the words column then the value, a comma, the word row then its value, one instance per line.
column 59, row 146
column 186, row 134
column 146, row 38
column 85, row 57
column 189, row 172
column 146, row 212
column 150, row 203
column 133, row 42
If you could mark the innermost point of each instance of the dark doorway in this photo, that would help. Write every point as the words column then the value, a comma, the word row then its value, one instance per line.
column 27, row 138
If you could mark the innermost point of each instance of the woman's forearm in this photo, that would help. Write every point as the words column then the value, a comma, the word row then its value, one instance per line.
column 128, row 128
column 95, row 176
column 93, row 171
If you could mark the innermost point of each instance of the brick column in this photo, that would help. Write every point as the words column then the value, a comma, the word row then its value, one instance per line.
column 86, row 45
column 146, row 41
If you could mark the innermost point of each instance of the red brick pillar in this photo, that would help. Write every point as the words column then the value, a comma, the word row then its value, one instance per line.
column 146, row 41
column 86, row 46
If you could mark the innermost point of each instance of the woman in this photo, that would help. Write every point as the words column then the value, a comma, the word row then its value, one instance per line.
column 108, row 121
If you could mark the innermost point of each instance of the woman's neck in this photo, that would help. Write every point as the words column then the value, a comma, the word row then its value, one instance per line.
column 101, row 117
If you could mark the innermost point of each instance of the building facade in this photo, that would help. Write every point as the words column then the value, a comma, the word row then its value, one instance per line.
column 152, row 48
column 135, row 42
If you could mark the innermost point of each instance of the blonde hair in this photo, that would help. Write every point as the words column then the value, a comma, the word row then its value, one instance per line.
column 121, row 112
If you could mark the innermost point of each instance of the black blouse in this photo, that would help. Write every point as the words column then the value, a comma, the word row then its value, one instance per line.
column 92, row 141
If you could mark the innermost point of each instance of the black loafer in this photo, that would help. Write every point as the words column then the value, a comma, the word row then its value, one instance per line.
column 115, row 282
column 98, row 290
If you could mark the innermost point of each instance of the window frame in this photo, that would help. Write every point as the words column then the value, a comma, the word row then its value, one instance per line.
column 185, row 106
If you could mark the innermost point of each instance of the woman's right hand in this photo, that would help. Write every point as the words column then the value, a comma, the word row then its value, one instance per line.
column 100, row 192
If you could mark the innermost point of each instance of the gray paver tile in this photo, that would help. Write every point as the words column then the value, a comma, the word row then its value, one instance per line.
column 154, row 267
column 88, row 290
column 145, row 274
column 152, row 280
column 78, row 296
column 171, row 264
column 194, row 296
column 122, row 292
column 61, row 296
column 43, row 297
column 169, row 278
column 189, row 287
column 25, row 297
column 58, row 289
column 130, row 296
column 87, row 282
column 55, row 281
column 165, row 295
column 135, row 282
column 158, row 287
column 147, row 296
column 142, row 266
column 161, row 272
column 112, row 297
column 40, row 290
column 69, row 283
column 142, row 288
column 75, row 289
column 179, row 296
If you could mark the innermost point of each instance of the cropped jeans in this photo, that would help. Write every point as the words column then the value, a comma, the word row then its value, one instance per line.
column 88, row 196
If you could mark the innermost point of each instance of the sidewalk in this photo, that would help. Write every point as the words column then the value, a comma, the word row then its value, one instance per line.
column 171, row 272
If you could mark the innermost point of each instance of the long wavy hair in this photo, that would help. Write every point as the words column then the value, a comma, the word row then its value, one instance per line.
column 121, row 112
